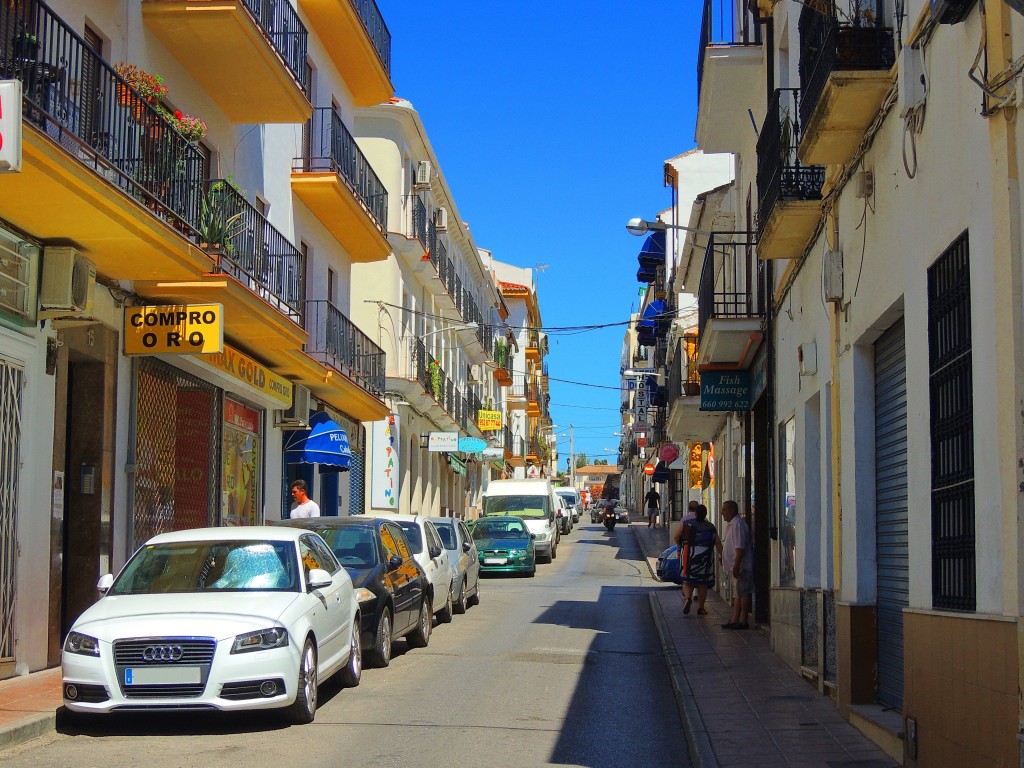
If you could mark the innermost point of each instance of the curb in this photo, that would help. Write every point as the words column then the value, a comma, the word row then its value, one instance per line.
column 28, row 729
column 697, row 739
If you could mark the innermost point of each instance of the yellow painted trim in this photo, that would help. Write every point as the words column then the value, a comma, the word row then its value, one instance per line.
column 341, row 212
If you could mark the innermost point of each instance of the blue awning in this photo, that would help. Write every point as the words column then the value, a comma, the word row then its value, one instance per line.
column 324, row 443
column 652, row 254
column 646, row 275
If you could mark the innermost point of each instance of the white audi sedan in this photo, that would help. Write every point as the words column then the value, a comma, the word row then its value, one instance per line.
column 217, row 618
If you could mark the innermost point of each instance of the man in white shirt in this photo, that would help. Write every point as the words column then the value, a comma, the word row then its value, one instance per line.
column 304, row 506
column 738, row 560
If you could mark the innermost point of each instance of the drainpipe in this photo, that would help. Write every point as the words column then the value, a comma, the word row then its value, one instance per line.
column 835, row 326
column 1008, row 320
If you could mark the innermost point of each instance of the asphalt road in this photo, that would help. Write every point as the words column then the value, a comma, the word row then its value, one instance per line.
column 561, row 669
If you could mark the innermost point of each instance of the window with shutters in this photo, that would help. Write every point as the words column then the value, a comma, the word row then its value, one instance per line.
column 952, row 429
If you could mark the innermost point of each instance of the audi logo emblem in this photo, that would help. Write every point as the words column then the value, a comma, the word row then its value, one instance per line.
column 162, row 653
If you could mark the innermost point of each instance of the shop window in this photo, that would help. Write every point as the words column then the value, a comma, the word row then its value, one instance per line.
column 787, row 503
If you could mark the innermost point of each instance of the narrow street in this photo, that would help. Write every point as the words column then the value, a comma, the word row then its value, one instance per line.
column 561, row 669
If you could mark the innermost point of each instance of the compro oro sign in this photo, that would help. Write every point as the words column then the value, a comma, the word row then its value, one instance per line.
column 183, row 329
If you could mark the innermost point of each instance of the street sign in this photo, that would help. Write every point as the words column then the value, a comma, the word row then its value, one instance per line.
column 442, row 441
column 648, row 469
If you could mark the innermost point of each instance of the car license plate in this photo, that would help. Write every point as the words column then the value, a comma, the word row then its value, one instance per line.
column 161, row 675
column 495, row 561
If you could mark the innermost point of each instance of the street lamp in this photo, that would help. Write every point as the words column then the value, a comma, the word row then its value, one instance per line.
column 641, row 227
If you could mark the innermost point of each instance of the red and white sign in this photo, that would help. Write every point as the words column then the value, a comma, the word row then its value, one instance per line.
column 10, row 126
column 648, row 469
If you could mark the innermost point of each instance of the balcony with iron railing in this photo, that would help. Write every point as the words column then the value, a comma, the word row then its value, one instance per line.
column 536, row 344
column 515, row 450
column 533, row 398
column 354, row 35
column 515, row 397
column 728, row 74
column 334, row 180
column 248, row 56
column 503, row 358
column 845, row 61
column 730, row 303
column 789, row 192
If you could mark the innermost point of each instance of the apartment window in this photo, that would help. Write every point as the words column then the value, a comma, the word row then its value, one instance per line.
column 332, row 283
column 952, row 429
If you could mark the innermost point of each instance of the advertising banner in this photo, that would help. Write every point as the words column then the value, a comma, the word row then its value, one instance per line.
column 174, row 329
column 384, row 469
column 726, row 391
column 488, row 420
column 438, row 442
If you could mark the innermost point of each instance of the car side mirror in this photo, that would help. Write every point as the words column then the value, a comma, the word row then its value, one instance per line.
column 435, row 551
column 105, row 583
column 466, row 546
column 394, row 562
column 318, row 578
column 533, row 536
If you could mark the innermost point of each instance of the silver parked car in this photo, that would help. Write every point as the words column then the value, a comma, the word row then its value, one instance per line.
column 463, row 557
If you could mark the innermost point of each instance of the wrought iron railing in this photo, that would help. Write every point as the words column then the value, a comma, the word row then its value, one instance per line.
column 506, row 439
column 780, row 174
column 533, row 393
column 835, row 42
column 332, row 148
column 377, row 30
column 250, row 249
column 421, row 366
column 518, row 389
column 417, row 220
column 720, row 26
column 287, row 35
column 70, row 93
column 729, row 285
column 503, row 356
column 335, row 340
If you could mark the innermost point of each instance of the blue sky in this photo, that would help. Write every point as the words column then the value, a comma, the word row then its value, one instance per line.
column 551, row 121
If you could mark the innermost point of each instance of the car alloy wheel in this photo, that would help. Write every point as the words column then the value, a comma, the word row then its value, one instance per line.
column 303, row 709
column 353, row 672
column 420, row 636
column 381, row 655
column 460, row 601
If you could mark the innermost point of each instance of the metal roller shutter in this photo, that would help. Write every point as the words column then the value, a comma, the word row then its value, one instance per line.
column 891, row 510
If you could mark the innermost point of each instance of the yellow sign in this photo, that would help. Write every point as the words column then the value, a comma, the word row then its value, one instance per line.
column 486, row 420
column 256, row 375
column 175, row 329
column 696, row 465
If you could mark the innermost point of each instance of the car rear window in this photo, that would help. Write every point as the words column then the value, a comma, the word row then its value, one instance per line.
column 499, row 529
column 447, row 534
column 353, row 546
column 413, row 534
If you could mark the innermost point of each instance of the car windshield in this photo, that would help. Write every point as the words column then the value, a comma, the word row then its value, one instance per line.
column 413, row 534
column 570, row 498
column 499, row 529
column 520, row 506
column 210, row 566
column 447, row 534
column 353, row 545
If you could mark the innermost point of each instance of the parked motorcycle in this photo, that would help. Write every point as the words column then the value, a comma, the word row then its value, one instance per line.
column 608, row 517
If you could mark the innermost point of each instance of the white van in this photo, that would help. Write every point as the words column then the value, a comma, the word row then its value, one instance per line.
column 534, row 501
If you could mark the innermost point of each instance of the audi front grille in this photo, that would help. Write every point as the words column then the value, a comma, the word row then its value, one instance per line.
column 140, row 653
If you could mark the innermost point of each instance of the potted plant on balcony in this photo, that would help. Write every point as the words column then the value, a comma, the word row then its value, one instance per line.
column 25, row 45
column 436, row 381
column 216, row 227
column 148, row 86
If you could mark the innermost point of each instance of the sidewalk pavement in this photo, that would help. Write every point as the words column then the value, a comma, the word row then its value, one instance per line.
column 28, row 706
column 739, row 702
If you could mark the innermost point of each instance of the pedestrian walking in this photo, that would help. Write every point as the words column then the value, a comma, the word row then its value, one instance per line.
column 697, row 539
column 677, row 539
column 738, row 560
column 653, row 503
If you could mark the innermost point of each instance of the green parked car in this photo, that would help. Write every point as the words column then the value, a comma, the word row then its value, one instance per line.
column 505, row 545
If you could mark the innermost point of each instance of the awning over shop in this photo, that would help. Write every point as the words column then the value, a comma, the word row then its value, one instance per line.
column 457, row 464
column 652, row 254
column 324, row 443
column 660, row 473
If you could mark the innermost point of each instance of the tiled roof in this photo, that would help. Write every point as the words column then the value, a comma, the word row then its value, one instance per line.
column 513, row 288
column 598, row 469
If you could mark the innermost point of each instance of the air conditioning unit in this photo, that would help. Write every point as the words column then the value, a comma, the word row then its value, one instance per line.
column 441, row 219
column 474, row 374
column 951, row 11
column 423, row 174
column 69, row 283
column 296, row 416
column 832, row 279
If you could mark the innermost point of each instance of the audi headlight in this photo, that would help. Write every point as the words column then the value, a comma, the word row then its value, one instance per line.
column 542, row 536
column 261, row 640
column 363, row 595
column 82, row 644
